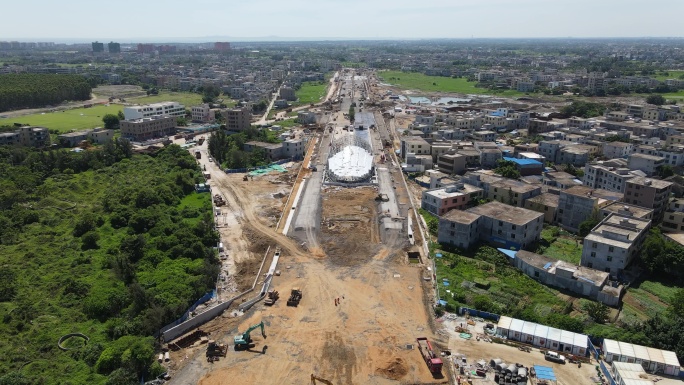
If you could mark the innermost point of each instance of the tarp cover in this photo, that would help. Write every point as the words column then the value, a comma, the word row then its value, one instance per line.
column 544, row 372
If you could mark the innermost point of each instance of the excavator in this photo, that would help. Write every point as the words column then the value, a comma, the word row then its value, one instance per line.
column 314, row 379
column 243, row 340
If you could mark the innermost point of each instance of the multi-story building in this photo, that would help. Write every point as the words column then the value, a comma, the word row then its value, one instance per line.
column 451, row 163
column 97, row 47
column 114, row 47
column 272, row 151
column 203, row 114
column 614, row 243
column 238, row 119
column 287, row 93
column 151, row 110
column 489, row 157
column 546, row 204
column 673, row 220
column 647, row 163
column 650, row 193
column 612, row 150
column 579, row 203
column 512, row 192
column 148, row 128
column 440, row 201
column 414, row 145
column 608, row 175
column 97, row 135
column 294, row 148
column 626, row 210
column 508, row 226
column 459, row 228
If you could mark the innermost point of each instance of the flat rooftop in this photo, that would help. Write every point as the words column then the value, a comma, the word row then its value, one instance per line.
column 623, row 208
column 546, row 199
column 551, row 265
column 587, row 191
column 506, row 213
column 655, row 183
column 463, row 217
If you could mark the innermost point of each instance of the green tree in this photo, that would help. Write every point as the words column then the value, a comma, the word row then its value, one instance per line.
column 181, row 121
column 120, row 115
column 110, row 121
column 89, row 240
column 586, row 226
column 656, row 99
column 677, row 304
column 597, row 311
column 507, row 169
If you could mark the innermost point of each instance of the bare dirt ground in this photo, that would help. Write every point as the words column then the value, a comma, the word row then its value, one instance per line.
column 361, row 341
column 349, row 233
column 118, row 91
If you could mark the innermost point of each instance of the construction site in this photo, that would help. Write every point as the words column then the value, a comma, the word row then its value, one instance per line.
column 317, row 285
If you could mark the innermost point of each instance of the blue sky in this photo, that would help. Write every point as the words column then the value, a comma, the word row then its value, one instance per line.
column 137, row 20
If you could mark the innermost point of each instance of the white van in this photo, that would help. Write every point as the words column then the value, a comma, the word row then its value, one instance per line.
column 554, row 357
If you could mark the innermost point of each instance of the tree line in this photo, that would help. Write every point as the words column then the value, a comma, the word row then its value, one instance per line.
column 19, row 91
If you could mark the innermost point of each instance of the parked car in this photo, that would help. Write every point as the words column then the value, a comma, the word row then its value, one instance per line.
column 554, row 357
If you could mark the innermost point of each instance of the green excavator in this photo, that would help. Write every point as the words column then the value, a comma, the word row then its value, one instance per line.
column 243, row 340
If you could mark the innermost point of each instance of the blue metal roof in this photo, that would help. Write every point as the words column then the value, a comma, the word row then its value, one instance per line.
column 523, row 162
column 548, row 264
column 509, row 253
column 544, row 372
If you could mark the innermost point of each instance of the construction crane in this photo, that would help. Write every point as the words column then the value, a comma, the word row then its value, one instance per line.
column 243, row 340
column 314, row 379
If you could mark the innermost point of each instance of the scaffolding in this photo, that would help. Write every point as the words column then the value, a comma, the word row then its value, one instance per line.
column 350, row 160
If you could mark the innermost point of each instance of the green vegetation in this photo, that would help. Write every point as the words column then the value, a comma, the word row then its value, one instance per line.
column 310, row 92
column 19, row 91
column 663, row 257
column 418, row 81
column 583, row 109
column 432, row 221
column 105, row 243
column 227, row 150
column 67, row 120
column 674, row 95
column 188, row 99
column 656, row 99
column 662, row 76
column 558, row 244
column 507, row 169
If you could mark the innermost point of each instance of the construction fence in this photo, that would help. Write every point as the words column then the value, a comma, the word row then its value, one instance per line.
column 478, row 313
column 279, row 162
column 205, row 298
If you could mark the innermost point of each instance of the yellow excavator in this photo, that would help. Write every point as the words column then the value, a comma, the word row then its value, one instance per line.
column 322, row 381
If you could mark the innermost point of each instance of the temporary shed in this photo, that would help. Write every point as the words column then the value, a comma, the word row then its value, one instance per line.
column 624, row 373
column 567, row 339
column 541, row 334
column 527, row 335
column 554, row 338
column 651, row 359
column 503, row 326
column 516, row 329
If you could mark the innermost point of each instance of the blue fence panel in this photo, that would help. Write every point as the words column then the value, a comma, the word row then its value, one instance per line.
column 185, row 315
column 595, row 351
column 479, row 313
column 606, row 373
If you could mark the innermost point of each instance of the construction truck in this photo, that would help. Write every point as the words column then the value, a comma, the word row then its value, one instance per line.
column 322, row 381
column 295, row 297
column 215, row 350
column 243, row 340
column 218, row 200
column 433, row 362
column 198, row 155
column 271, row 298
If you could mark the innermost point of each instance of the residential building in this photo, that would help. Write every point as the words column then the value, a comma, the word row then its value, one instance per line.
column 647, row 163
column 489, row 157
column 608, row 175
column 626, row 210
column 582, row 280
column 451, row 163
column 612, row 150
column 614, row 243
column 294, row 148
column 577, row 155
column 202, row 114
column 484, row 136
column 526, row 166
column 673, row 220
column 9, row 138
column 546, row 204
column 512, row 192
column 97, row 47
column 459, row 196
column 151, row 110
column 459, row 228
column 650, row 193
column 559, row 180
column 237, row 119
column 414, row 145
column 148, row 128
column 272, row 151
column 97, row 135
column 114, row 47
column 579, row 203
column 417, row 163
column 508, row 226
column 287, row 93
column 31, row 136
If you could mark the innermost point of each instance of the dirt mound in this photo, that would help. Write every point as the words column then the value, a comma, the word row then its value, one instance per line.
column 394, row 369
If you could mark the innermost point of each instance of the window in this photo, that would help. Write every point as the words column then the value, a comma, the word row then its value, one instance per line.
column 609, row 258
column 514, row 227
column 536, row 274
column 593, row 254
column 611, row 249
column 500, row 223
column 590, row 265
column 512, row 236
column 594, row 245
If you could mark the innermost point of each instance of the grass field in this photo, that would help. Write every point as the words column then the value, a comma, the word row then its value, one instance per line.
column 674, row 95
column 675, row 74
column 188, row 99
column 561, row 246
column 417, row 81
column 67, row 120
column 311, row 92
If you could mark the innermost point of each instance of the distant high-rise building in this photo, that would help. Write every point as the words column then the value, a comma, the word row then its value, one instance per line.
column 114, row 47
column 98, row 47
column 145, row 48
column 222, row 46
